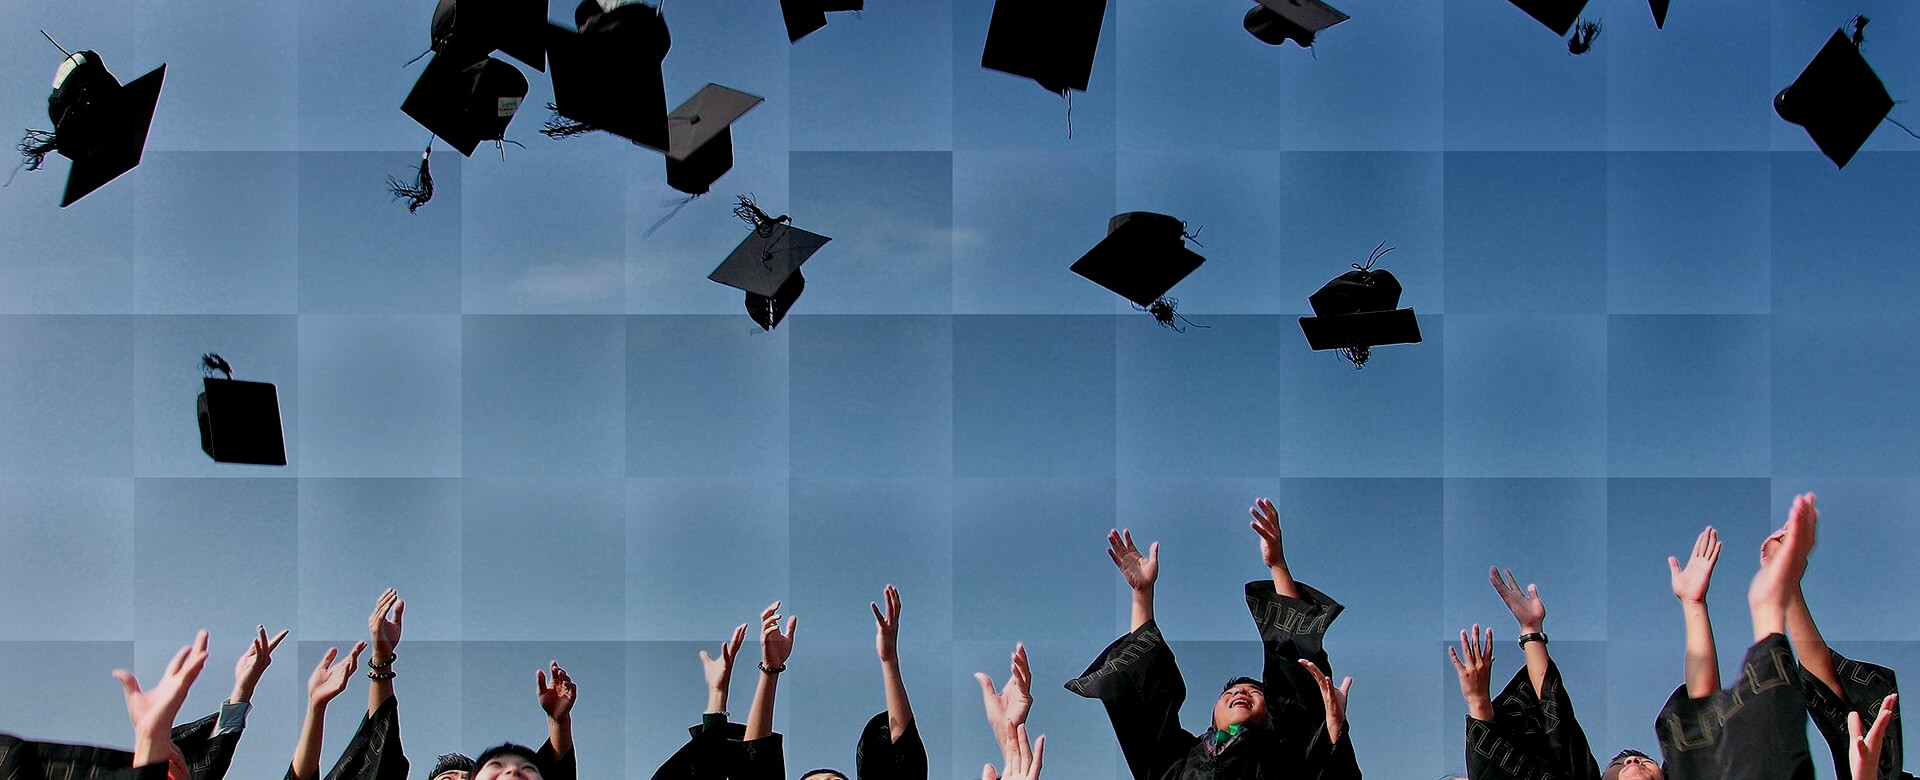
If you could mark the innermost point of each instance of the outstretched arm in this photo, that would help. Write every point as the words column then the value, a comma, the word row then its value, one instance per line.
column 1266, row 523
column 152, row 711
column 1808, row 645
column 719, row 671
column 886, row 642
column 775, row 647
column 1690, row 586
column 557, row 698
column 1140, row 571
column 1335, row 700
column 328, row 680
column 1474, row 665
column 252, row 664
column 383, row 635
column 1008, row 709
column 1781, row 566
column 1531, row 613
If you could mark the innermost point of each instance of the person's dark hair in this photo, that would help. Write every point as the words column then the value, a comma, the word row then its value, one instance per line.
column 451, row 762
column 1612, row 768
column 1245, row 681
column 812, row 772
column 509, row 749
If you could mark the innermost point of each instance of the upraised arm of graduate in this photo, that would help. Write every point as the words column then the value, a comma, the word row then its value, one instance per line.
column 383, row 635
column 708, row 754
column 1136, row 677
column 152, row 710
column 1690, row 586
column 1863, row 757
column 762, row 755
column 1293, row 619
column 1531, row 728
column 1007, row 708
column 890, row 747
column 329, row 680
column 1140, row 572
column 1473, row 664
column 1531, row 613
column 557, row 696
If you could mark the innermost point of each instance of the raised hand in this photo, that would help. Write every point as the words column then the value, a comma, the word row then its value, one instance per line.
column 720, row 670
column 1008, row 708
column 1783, row 559
column 383, row 626
column 1526, row 606
column 1690, row 584
column 252, row 664
column 1266, row 523
column 1474, row 665
column 1022, row 759
column 1334, row 698
column 775, row 645
column 329, row 678
column 556, row 697
column 152, row 710
column 1139, row 570
column 886, row 634
column 1863, row 755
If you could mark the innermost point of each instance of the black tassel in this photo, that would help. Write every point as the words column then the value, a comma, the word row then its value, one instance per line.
column 1357, row 356
column 422, row 189
column 1164, row 313
column 35, row 147
column 1583, row 35
column 558, row 127
column 210, row 363
column 1859, row 29
column 749, row 212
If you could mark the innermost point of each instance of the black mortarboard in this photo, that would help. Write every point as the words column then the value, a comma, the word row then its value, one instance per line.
column 805, row 16
column 1275, row 21
column 1358, row 310
column 472, row 29
column 1557, row 15
column 699, row 143
column 1143, row 256
column 466, row 103
column 1838, row 99
column 1659, row 13
column 98, row 123
column 1050, row 42
column 767, row 263
column 240, row 422
column 607, row 75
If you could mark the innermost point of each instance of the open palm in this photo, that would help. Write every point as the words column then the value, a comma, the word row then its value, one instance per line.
column 1690, row 583
column 1139, row 570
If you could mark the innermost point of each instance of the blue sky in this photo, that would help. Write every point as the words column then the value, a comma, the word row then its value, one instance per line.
column 1647, row 304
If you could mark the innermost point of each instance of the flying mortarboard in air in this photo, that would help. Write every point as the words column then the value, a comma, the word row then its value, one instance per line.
column 699, row 138
column 98, row 123
column 1277, row 21
column 1659, row 13
column 465, row 103
column 1358, row 311
column 766, row 264
column 1143, row 256
column 1051, row 42
column 1838, row 98
column 239, row 421
column 607, row 76
column 805, row 16
column 470, row 30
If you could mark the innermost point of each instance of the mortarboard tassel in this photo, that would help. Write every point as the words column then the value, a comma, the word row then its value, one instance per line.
column 1859, row 23
column 558, row 127
column 1357, row 356
column 34, row 148
column 1163, row 312
column 1581, row 42
column 750, row 213
column 422, row 189
column 210, row 363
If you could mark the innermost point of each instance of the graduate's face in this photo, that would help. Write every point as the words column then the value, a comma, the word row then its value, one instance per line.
column 1635, row 768
column 1243, row 704
column 508, row 767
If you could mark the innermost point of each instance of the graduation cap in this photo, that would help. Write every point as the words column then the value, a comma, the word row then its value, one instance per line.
column 1276, row 21
column 98, row 123
column 472, row 29
column 1050, row 42
column 1358, row 310
column 1557, row 15
column 1659, row 13
column 466, row 102
column 805, row 16
column 1143, row 256
column 1838, row 99
column 699, row 143
column 239, row 421
column 606, row 75
column 766, row 264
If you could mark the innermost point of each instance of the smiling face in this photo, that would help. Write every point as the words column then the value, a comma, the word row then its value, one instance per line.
column 1244, row 704
column 1633, row 767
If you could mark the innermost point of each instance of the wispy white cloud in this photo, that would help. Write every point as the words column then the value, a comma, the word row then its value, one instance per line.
column 590, row 280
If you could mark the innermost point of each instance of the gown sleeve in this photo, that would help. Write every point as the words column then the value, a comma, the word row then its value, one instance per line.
column 552, row 766
column 881, row 757
column 1138, row 681
column 708, row 753
column 1863, row 685
column 1533, row 736
column 28, row 760
column 1292, row 630
column 374, row 752
column 1754, row 730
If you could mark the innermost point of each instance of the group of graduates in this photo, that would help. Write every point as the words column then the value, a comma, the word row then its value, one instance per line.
column 1290, row 722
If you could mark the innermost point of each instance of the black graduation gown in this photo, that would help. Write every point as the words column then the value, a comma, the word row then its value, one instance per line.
column 208, row 756
column 374, row 753
column 715, row 751
column 880, row 757
column 1865, row 685
column 1756, row 729
column 1138, row 681
column 1531, row 737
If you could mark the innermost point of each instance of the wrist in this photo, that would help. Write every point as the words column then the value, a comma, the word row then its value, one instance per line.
column 1533, row 627
column 565, row 721
column 240, row 695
